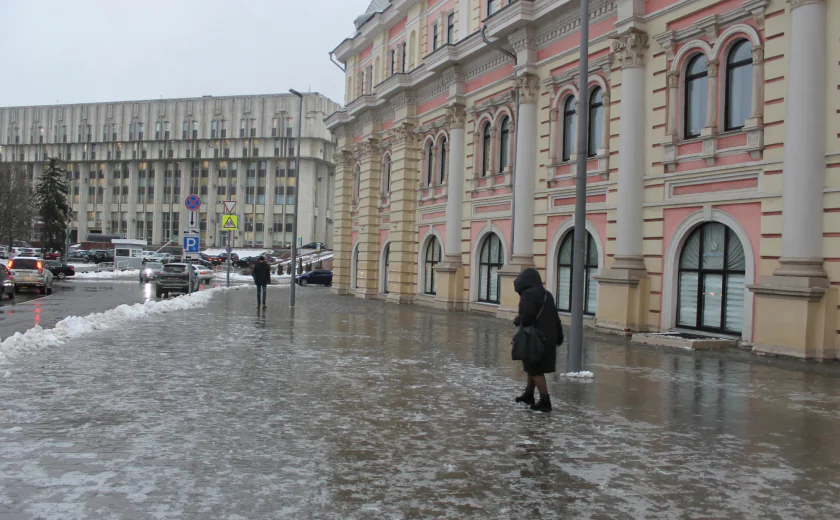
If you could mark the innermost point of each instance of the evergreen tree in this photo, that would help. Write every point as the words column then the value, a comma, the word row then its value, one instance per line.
column 51, row 195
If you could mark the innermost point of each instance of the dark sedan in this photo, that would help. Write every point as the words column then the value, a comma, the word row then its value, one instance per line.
column 316, row 277
column 7, row 283
column 60, row 270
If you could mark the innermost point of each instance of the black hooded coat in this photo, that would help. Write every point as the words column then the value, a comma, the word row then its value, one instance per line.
column 533, row 297
column 261, row 273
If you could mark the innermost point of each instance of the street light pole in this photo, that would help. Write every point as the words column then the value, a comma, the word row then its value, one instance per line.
column 576, row 339
column 293, row 263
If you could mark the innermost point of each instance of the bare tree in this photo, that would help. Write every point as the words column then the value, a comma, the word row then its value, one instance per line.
column 17, row 204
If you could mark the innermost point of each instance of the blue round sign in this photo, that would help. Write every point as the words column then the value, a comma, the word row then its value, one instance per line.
column 193, row 203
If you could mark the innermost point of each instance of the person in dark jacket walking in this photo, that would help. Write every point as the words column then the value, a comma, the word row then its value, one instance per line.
column 262, row 277
column 533, row 298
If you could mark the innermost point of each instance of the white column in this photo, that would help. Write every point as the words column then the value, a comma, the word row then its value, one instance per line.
column 804, row 162
column 455, row 187
column 673, row 104
column 711, row 98
column 526, row 167
column 631, row 153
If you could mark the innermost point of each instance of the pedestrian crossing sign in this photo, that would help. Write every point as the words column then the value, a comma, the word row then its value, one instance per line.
column 230, row 222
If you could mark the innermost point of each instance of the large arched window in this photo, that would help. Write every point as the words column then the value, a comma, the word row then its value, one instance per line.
column 504, row 144
column 596, row 121
column 490, row 260
column 386, row 269
column 357, row 183
column 568, row 128
column 430, row 261
column 430, row 164
column 738, row 86
column 711, row 280
column 485, row 150
column 564, row 274
column 696, row 85
column 442, row 160
column 386, row 186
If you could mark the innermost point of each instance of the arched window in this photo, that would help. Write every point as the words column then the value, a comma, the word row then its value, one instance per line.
column 504, row 144
column 386, row 270
column 568, row 128
column 738, row 85
column 490, row 260
column 711, row 280
column 431, row 259
column 564, row 274
column 386, row 187
column 357, row 183
column 696, row 85
column 442, row 160
column 596, row 121
column 485, row 150
column 430, row 164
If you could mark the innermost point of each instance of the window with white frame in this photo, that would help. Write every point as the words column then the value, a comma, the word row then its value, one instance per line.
column 564, row 274
column 431, row 258
column 569, row 125
column 738, row 97
column 696, row 96
column 596, row 122
column 430, row 163
column 386, row 169
column 441, row 167
column 486, row 141
column 490, row 260
column 504, row 144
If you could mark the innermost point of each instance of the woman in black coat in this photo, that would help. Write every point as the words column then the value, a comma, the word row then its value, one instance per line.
column 533, row 298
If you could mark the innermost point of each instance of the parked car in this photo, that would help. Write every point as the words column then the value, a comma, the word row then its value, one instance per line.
column 78, row 257
column 30, row 272
column 7, row 283
column 316, row 277
column 52, row 255
column 151, row 272
column 60, row 270
column 212, row 259
column 233, row 257
column 163, row 258
column 205, row 274
column 102, row 255
column 175, row 278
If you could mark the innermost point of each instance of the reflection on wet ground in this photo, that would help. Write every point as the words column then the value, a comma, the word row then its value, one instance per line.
column 359, row 409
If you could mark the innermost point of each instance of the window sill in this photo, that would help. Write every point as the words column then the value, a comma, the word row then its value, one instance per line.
column 485, row 307
column 492, row 182
column 709, row 146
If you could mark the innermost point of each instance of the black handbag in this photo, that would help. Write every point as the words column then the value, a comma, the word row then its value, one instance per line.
column 528, row 343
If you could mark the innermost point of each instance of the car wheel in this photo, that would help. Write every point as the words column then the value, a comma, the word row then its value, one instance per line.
column 61, row 276
column 49, row 290
column 304, row 283
column 12, row 295
column 42, row 290
column 158, row 292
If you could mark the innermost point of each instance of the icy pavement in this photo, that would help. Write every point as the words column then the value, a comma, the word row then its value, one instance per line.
column 356, row 409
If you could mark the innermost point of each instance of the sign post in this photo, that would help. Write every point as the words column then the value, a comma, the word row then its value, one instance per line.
column 230, row 208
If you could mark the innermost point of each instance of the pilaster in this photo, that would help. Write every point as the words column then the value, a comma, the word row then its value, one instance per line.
column 405, row 180
column 342, row 222
column 368, row 155
column 450, row 272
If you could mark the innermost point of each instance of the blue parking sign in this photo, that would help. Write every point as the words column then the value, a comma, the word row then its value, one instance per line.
column 192, row 244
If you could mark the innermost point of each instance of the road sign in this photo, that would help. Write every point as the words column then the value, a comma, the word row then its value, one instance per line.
column 230, row 222
column 230, row 207
column 318, row 247
column 229, row 249
column 192, row 202
column 300, row 242
column 192, row 244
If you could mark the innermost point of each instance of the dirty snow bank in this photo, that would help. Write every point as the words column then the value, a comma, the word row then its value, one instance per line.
column 105, row 275
column 585, row 374
column 76, row 326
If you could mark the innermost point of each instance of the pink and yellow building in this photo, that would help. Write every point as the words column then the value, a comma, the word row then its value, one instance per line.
column 713, row 162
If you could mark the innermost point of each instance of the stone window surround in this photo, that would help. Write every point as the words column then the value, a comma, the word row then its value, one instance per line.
column 426, row 192
column 385, row 189
column 715, row 54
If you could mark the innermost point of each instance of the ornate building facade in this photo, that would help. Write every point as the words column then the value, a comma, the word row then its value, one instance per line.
column 713, row 162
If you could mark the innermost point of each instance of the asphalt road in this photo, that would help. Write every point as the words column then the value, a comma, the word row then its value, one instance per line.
column 69, row 298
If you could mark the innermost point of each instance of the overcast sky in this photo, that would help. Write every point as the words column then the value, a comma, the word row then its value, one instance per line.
column 77, row 51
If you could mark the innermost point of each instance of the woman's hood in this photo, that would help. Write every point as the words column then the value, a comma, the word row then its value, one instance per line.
column 528, row 278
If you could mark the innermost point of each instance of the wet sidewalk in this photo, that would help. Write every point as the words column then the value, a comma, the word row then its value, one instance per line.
column 360, row 409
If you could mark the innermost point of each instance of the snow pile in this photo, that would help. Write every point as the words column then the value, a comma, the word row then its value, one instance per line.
column 247, row 278
column 104, row 275
column 76, row 326
column 242, row 253
column 585, row 374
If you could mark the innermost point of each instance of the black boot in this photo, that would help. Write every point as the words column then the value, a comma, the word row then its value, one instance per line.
column 526, row 398
column 543, row 405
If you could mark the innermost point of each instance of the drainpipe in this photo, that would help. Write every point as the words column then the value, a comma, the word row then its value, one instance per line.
column 515, row 145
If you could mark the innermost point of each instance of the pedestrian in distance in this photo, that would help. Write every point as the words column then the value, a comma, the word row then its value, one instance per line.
column 537, row 309
column 262, row 277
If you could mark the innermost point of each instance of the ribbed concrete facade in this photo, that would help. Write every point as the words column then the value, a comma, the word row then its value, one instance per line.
column 131, row 164
column 713, row 153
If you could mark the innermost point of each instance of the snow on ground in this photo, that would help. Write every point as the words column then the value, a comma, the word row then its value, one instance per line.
column 585, row 374
column 311, row 258
column 242, row 253
column 84, row 268
column 247, row 278
column 104, row 275
column 76, row 326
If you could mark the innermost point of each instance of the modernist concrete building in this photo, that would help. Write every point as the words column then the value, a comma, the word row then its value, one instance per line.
column 713, row 184
column 131, row 164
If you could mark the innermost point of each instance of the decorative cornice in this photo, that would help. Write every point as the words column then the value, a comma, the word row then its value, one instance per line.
column 402, row 134
column 528, row 87
column 673, row 79
column 748, row 9
column 630, row 47
column 367, row 148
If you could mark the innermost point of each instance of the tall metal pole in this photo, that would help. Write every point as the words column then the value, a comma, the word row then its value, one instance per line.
column 229, row 253
column 576, row 339
column 293, row 263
